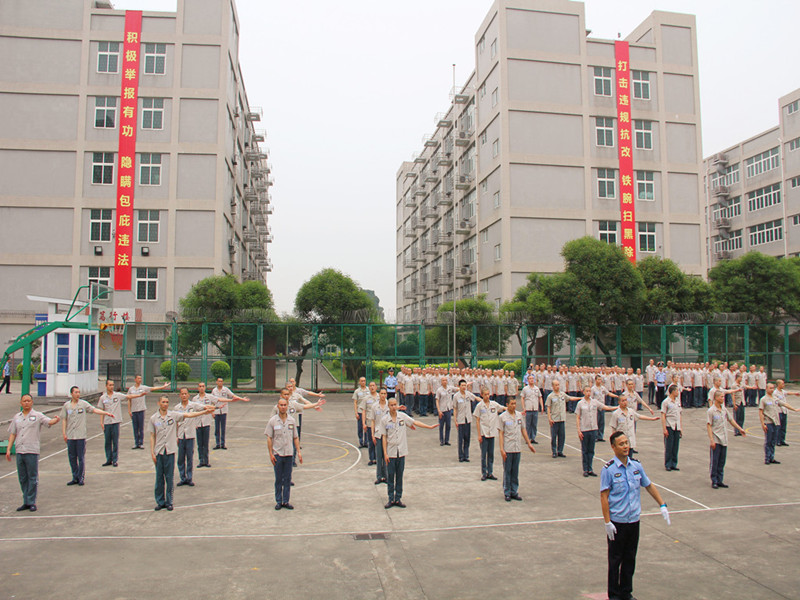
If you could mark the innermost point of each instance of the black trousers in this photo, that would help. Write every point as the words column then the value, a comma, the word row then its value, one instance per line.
column 622, row 560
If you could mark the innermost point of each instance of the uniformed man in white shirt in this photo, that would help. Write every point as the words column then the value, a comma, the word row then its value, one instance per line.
column 769, row 414
column 24, row 433
column 163, row 428
column 624, row 418
column 137, row 407
column 73, row 428
column 224, row 396
column 394, row 432
column 717, row 418
column 368, row 403
column 358, row 399
column 187, row 432
column 378, row 412
column 586, row 412
column 556, row 405
column 486, row 414
column 203, row 430
column 511, row 431
column 444, row 408
column 532, row 403
column 781, row 393
column 282, row 442
column 462, row 414
column 111, row 402
column 671, row 425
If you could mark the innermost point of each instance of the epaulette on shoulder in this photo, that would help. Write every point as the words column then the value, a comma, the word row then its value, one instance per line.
column 609, row 463
column 634, row 460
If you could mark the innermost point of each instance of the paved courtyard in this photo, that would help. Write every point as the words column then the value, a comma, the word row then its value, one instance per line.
column 458, row 538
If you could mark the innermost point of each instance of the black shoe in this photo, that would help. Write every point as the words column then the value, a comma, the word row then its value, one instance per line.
column 441, row 443
column 592, row 474
column 168, row 507
column 288, row 506
column 388, row 505
column 516, row 497
column 223, row 447
column 466, row 460
column 370, row 463
column 601, row 439
column 80, row 483
column 377, row 482
column 534, row 442
column 483, row 478
column 714, row 486
column 447, row 443
column 159, row 507
column 775, row 462
column 460, row 460
column 291, row 483
column 668, row 468
column 114, row 464
column 216, row 448
column 399, row 504
column 508, row 498
column 106, row 464
column 562, row 455
column 73, row 482
column 555, row 455
column 490, row 476
column 32, row 508
column 180, row 483
column 723, row 485
column 190, row 483
column 277, row 506
column 383, row 479
column 294, row 465
column 586, row 473
column 23, row 507
column 135, row 447
column 675, row 469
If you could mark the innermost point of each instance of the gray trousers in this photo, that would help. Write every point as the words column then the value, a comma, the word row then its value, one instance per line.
column 28, row 474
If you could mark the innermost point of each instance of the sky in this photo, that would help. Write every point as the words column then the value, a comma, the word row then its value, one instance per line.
column 350, row 88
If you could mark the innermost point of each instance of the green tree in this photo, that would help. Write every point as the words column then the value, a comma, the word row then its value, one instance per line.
column 529, row 308
column 469, row 312
column 667, row 289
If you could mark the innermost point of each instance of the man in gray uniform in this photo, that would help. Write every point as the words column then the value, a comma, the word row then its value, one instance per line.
column 203, row 430
column 487, row 415
column 25, row 430
column 73, row 428
column 137, row 406
column 187, row 432
column 111, row 402
column 283, row 442
column 511, row 432
column 716, row 425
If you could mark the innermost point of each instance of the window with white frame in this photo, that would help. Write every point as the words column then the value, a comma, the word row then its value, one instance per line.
column 761, row 163
column 152, row 113
column 727, row 177
column 602, row 81
column 105, row 112
column 100, row 225
column 100, row 275
column 108, row 57
column 497, row 252
column 468, row 252
column 647, row 237
column 604, row 128
column 149, row 169
column 793, row 107
column 493, row 48
column 482, row 44
column 764, row 197
column 495, row 148
column 643, row 131
column 470, row 290
column 765, row 233
column 146, row 283
column 497, row 303
column 795, row 182
column 606, row 183
column 496, row 199
column 148, row 226
column 482, row 90
column 155, row 59
column 468, row 206
column 794, row 144
column 641, row 85
column 102, row 168
column 484, row 186
column 495, row 97
column 733, row 209
column 484, row 286
column 734, row 242
column 608, row 231
column 795, row 220
column 645, row 185
column 484, row 137
column 485, row 235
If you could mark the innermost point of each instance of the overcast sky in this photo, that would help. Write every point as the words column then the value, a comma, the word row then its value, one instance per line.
column 349, row 89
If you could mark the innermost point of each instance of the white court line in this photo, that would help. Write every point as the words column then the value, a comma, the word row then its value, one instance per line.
column 215, row 503
column 393, row 531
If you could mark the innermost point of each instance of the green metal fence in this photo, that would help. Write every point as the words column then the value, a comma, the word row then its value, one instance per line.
column 263, row 356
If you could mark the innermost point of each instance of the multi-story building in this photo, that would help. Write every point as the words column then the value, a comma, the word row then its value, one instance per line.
column 753, row 191
column 525, row 158
column 201, row 189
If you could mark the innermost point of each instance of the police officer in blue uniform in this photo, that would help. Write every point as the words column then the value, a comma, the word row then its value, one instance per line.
column 390, row 383
column 620, row 499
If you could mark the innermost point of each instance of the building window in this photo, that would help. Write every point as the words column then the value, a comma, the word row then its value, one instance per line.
column 641, row 85
column 484, row 186
column 761, row 163
column 482, row 44
column 468, row 252
column 602, row 81
column 155, row 59
column 495, row 148
column 482, row 90
column 468, row 206
column 105, row 112
column 496, row 198
column 727, row 177
column 85, row 352
column 608, row 232
column 152, row 113
column 497, row 252
column 645, row 185
column 146, row 283
column 795, row 181
column 484, row 137
column 148, row 226
column 765, row 233
column 101, row 275
column 494, row 97
column 493, row 48
column 647, row 237
column 103, row 168
column 734, row 242
column 795, row 220
column 764, row 197
column 794, row 144
column 733, row 209
column 793, row 107
column 606, row 183
column 100, row 225
column 149, row 169
column 604, row 126
column 644, row 134
column 62, row 352
column 108, row 57
column 484, row 286
column 485, row 235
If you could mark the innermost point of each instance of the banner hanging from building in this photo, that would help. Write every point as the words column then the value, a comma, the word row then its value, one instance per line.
column 126, row 165
column 625, row 145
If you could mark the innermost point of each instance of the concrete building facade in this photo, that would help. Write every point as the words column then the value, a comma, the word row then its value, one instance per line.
column 202, row 188
column 752, row 191
column 525, row 157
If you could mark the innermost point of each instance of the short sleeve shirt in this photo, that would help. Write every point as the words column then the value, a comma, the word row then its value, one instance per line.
column 623, row 483
column 28, row 429
column 358, row 397
column 769, row 406
column 205, row 400
column 531, row 396
column 222, row 407
column 187, row 428
column 396, row 432
column 445, row 398
column 113, row 405
column 139, row 404
column 489, row 415
column 370, row 402
column 282, row 433
column 672, row 413
column 557, row 401
column 165, row 428
column 463, row 406
column 511, row 426
column 587, row 413
column 75, row 418
column 378, row 413
column 718, row 418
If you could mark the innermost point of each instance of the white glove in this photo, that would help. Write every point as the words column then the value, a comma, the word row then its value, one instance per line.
column 611, row 530
column 665, row 514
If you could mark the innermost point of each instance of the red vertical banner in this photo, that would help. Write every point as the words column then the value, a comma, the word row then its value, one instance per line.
column 126, row 166
column 625, row 144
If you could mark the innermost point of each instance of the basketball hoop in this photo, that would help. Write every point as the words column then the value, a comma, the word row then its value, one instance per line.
column 117, row 333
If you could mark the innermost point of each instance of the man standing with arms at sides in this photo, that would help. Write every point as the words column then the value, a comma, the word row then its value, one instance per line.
column 532, row 403
column 716, row 425
column 620, row 500
column 282, row 442
column 6, row 377
column 769, row 415
column 624, row 419
column 556, row 404
column 137, row 405
column 780, row 393
column 163, row 428
column 73, row 428
column 359, row 396
column 394, row 429
column 751, row 382
column 600, row 392
column 487, row 414
column 586, row 422
column 511, row 431
column 672, row 428
column 111, row 402
column 378, row 412
column 187, row 432
column 390, row 383
column 761, row 384
column 423, row 393
column 462, row 414
column 444, row 408
column 223, row 396
column 25, row 430
column 661, row 383
column 368, row 406
column 203, row 431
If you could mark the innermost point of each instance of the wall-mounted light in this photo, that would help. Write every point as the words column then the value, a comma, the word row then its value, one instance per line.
column 98, row 251
column 145, row 250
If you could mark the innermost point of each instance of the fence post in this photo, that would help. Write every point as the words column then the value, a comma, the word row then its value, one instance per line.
column 421, row 344
column 314, row 349
column 747, row 344
column 786, row 350
column 474, row 346
column 123, row 354
column 369, row 352
column 204, row 351
column 705, row 342
column 173, row 355
column 619, row 345
column 573, row 343
column 259, row 354
column 523, row 366
column 664, row 343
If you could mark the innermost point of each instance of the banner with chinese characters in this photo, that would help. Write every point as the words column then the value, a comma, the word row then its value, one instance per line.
column 126, row 166
column 625, row 145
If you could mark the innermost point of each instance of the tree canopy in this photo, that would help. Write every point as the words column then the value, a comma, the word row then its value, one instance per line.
column 330, row 296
